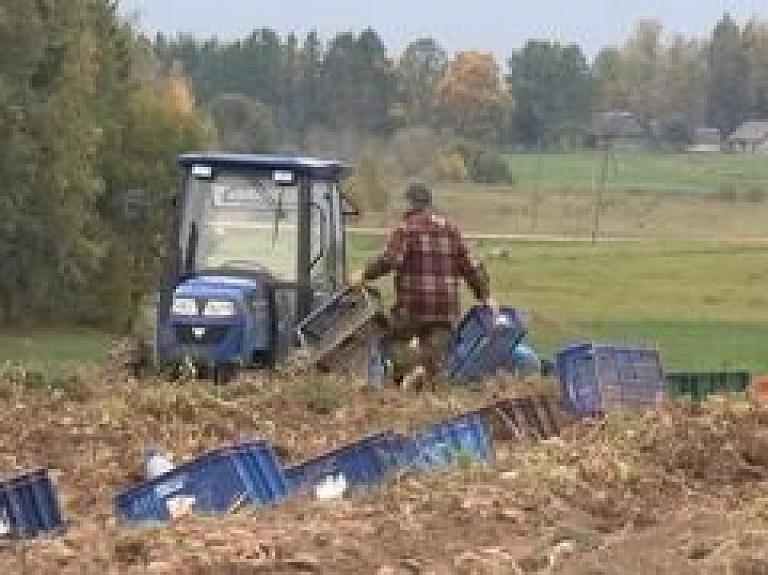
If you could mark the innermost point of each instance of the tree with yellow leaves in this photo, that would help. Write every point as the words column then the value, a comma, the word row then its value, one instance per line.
column 471, row 98
column 178, row 93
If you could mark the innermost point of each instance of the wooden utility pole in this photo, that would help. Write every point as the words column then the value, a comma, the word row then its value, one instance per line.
column 599, row 189
column 536, row 192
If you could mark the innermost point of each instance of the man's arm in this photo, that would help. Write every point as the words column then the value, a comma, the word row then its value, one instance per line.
column 473, row 272
column 390, row 259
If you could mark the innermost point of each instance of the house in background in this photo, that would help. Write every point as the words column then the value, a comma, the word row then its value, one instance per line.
column 618, row 130
column 706, row 140
column 750, row 137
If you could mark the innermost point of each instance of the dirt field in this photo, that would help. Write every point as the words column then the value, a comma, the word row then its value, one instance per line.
column 676, row 492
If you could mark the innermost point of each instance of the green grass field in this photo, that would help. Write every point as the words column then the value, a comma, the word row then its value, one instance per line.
column 54, row 353
column 680, row 196
column 665, row 173
column 704, row 304
column 694, row 284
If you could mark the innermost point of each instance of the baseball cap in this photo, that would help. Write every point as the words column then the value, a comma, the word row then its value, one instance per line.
column 418, row 194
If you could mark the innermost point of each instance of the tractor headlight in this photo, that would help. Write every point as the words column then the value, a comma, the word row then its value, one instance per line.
column 219, row 308
column 184, row 306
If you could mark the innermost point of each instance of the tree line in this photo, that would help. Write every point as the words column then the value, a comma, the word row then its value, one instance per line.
column 90, row 109
column 86, row 113
column 266, row 90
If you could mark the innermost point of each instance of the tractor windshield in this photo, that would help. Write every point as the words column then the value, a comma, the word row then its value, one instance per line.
column 245, row 221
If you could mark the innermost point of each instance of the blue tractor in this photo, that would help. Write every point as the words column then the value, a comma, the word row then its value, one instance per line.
column 258, row 242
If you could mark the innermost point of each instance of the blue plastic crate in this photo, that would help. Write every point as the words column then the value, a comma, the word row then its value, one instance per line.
column 483, row 344
column 366, row 462
column 249, row 472
column 530, row 417
column 445, row 443
column 332, row 323
column 698, row 386
column 599, row 378
column 29, row 506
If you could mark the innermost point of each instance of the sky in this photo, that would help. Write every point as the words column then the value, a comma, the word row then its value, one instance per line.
column 497, row 26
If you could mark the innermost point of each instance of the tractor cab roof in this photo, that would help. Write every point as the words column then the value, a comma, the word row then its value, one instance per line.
column 314, row 168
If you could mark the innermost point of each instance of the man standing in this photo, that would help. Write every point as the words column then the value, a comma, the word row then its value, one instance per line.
column 429, row 257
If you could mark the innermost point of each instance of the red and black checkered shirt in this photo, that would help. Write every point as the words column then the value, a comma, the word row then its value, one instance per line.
column 429, row 257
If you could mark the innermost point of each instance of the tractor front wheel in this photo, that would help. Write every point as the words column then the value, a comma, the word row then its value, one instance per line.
column 224, row 373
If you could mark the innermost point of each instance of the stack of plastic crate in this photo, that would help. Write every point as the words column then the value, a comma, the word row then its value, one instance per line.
column 598, row 378
column 483, row 343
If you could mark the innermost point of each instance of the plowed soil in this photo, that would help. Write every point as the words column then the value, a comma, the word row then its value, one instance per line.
column 683, row 490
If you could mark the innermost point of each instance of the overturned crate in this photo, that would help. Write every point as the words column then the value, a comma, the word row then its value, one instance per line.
column 464, row 437
column 216, row 482
column 483, row 343
column 363, row 463
column 599, row 378
column 342, row 335
column 524, row 418
column 29, row 506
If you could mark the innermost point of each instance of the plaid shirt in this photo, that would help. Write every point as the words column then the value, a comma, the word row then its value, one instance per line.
column 428, row 256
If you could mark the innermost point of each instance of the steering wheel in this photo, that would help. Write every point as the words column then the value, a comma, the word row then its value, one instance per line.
column 251, row 265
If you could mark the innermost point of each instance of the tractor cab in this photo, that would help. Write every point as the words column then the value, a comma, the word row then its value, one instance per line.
column 258, row 243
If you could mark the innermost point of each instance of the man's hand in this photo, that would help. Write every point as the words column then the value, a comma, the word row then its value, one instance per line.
column 492, row 305
column 357, row 280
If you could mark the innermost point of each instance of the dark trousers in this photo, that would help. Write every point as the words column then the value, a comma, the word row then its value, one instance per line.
column 432, row 341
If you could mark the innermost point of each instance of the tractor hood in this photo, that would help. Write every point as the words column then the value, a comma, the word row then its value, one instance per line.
column 221, row 287
column 232, row 335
